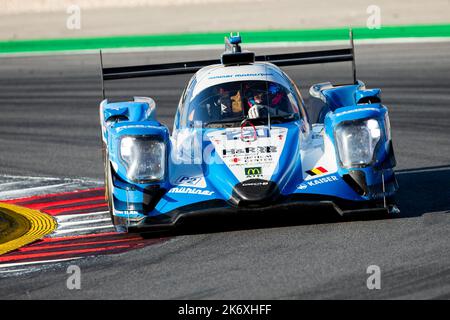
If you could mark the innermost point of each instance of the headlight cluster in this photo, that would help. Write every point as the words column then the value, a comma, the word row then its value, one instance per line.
column 144, row 158
column 356, row 142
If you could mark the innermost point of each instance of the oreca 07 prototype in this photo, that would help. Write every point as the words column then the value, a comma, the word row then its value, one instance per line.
column 242, row 141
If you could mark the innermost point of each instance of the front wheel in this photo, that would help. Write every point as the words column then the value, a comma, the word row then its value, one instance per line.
column 108, row 186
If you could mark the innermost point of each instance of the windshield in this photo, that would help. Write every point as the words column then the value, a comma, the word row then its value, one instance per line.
column 235, row 101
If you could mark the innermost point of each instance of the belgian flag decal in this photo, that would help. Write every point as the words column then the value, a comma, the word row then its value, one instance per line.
column 316, row 171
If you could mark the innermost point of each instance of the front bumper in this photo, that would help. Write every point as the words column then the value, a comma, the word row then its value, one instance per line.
column 298, row 204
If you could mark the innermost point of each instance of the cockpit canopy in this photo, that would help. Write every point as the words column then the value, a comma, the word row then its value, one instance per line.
column 230, row 102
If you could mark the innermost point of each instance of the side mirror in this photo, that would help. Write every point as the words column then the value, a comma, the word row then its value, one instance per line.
column 316, row 90
column 151, row 110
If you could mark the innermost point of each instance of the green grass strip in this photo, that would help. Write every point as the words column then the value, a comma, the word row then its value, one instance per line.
column 163, row 40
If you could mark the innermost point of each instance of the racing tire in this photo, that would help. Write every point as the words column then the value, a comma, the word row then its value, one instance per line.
column 108, row 186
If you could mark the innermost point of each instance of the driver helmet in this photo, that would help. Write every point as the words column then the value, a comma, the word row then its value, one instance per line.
column 275, row 94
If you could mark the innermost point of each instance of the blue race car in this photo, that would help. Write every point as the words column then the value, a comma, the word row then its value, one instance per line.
column 242, row 141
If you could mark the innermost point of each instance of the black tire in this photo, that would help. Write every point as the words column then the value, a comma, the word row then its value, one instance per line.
column 108, row 183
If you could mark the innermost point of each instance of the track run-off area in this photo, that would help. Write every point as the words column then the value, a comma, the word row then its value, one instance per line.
column 75, row 224
column 51, row 163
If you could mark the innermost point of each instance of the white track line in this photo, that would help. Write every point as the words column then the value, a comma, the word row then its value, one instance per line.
column 80, row 215
column 25, row 186
column 32, row 189
column 14, row 183
column 9, row 176
column 65, row 231
column 14, row 270
column 19, row 186
column 74, row 223
column 8, row 265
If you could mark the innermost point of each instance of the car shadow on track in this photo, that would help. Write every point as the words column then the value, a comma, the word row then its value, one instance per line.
column 422, row 190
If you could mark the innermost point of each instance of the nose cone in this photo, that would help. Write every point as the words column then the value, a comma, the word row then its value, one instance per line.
column 254, row 192
column 252, row 173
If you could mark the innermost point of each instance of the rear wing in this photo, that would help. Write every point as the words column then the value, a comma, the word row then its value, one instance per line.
column 232, row 56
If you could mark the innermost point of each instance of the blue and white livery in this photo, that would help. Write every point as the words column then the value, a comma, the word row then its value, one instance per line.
column 242, row 140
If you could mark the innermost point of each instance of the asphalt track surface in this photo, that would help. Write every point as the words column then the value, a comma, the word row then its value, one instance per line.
column 49, row 127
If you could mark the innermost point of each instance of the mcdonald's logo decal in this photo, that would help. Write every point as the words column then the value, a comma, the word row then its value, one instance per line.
column 253, row 171
column 316, row 171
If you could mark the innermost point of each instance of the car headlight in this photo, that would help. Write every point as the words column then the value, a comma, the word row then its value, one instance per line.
column 356, row 142
column 144, row 158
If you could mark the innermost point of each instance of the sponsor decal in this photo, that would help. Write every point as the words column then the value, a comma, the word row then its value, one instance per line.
column 222, row 76
column 240, row 75
column 248, row 136
column 253, row 172
column 317, row 181
column 238, row 155
column 259, row 74
column 248, row 156
column 197, row 181
column 255, row 183
column 246, row 132
column 185, row 180
column 317, row 171
column 250, row 150
column 188, row 190
column 302, row 186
